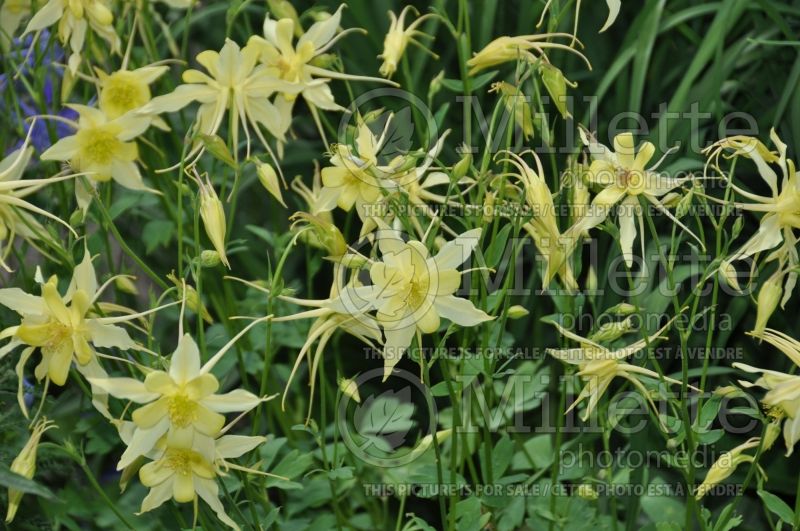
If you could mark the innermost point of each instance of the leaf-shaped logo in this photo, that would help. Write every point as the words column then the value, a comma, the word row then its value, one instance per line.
column 385, row 420
column 398, row 134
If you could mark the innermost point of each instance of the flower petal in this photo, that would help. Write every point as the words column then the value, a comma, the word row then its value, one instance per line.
column 185, row 362
column 231, row 446
column 460, row 311
column 236, row 400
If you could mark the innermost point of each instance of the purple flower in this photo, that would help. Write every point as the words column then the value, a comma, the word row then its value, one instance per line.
column 46, row 56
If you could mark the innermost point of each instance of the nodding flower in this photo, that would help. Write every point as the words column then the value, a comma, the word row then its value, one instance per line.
column 780, row 215
column 599, row 365
column 530, row 48
column 399, row 37
column 783, row 389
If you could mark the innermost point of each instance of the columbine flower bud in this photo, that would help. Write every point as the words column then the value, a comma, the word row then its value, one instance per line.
column 269, row 180
column 737, row 227
column 591, row 279
column 213, row 215
column 727, row 391
column 488, row 207
column 325, row 234
column 556, row 84
column 771, row 434
column 126, row 285
column 768, row 298
column 25, row 464
column 284, row 9
column 623, row 308
column 517, row 312
column 76, row 219
column 579, row 196
column 684, row 204
column 729, row 275
column 193, row 301
column 209, row 258
column 587, row 491
column 461, row 167
column 609, row 332
column 516, row 102
column 435, row 86
column 349, row 388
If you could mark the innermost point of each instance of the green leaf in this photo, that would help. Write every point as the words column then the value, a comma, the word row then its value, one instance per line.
column 495, row 251
column 291, row 466
column 12, row 480
column 777, row 506
column 385, row 420
column 157, row 233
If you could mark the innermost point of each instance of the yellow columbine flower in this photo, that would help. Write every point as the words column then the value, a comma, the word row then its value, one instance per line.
column 398, row 38
column 355, row 176
column 104, row 148
column 234, row 84
column 294, row 63
column 74, row 18
column 25, row 464
column 530, row 48
column 360, row 177
column 127, row 90
column 783, row 390
column 781, row 212
column 15, row 219
column 184, row 470
column 413, row 290
column 598, row 366
column 181, row 402
column 64, row 330
column 543, row 226
column 623, row 175
column 11, row 14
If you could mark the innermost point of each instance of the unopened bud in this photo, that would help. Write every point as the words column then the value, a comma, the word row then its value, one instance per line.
column 768, row 298
column 349, row 388
column 25, row 464
column 488, row 207
column 209, row 258
column 461, row 167
column 556, row 84
column 284, row 9
column 609, row 332
column 587, row 491
column 213, row 215
column 623, row 308
column 269, row 180
column 193, row 301
column 126, row 285
column 771, row 434
column 728, row 274
column 517, row 312
column 684, row 204
column 324, row 234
